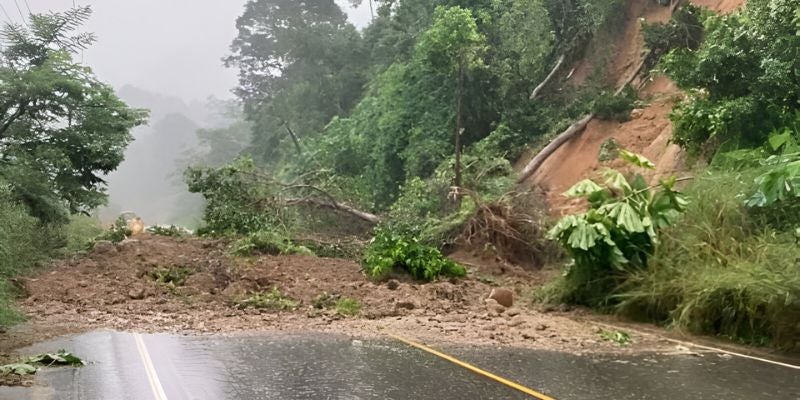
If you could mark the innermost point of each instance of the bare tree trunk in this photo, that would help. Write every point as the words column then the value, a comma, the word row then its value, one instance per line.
column 363, row 215
column 459, row 128
column 550, row 76
column 371, row 12
column 294, row 138
column 551, row 148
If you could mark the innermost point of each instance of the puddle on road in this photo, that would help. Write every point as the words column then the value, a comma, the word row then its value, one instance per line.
column 334, row 367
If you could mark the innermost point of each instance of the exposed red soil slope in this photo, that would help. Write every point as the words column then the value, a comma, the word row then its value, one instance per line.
column 648, row 132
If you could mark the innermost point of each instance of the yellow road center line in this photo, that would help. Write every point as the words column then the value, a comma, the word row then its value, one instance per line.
column 473, row 368
column 150, row 369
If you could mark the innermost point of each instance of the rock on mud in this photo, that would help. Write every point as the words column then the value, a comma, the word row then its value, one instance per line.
column 393, row 284
column 494, row 308
column 137, row 293
column 239, row 289
column 201, row 282
column 504, row 297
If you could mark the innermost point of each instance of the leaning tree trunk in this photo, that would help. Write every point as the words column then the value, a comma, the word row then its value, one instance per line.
column 551, row 148
column 549, row 77
column 295, row 140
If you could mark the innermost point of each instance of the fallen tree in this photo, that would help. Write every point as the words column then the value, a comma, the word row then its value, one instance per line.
column 549, row 77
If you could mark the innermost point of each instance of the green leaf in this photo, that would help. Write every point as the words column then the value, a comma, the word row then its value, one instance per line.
column 776, row 141
column 62, row 357
column 584, row 236
column 18, row 369
column 583, row 188
column 615, row 180
column 636, row 159
column 624, row 216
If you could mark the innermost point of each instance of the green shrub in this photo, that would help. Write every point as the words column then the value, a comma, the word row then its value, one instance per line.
column 118, row 232
column 171, row 276
column 169, row 231
column 683, row 31
column 721, row 271
column 348, row 307
column 616, row 236
column 272, row 300
column 742, row 78
column 8, row 313
column 609, row 150
column 609, row 107
column 80, row 233
column 391, row 251
column 267, row 242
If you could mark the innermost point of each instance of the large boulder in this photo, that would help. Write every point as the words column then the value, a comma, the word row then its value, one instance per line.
column 502, row 296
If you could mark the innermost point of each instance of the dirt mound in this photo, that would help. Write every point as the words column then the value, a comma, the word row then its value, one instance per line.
column 126, row 287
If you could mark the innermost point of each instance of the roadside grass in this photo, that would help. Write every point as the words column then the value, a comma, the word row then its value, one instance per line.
column 26, row 243
column 724, row 270
column 272, row 300
column 348, row 307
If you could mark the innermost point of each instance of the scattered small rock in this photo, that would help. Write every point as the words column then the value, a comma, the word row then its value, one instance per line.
column 512, row 312
column 494, row 308
column 461, row 318
column 448, row 291
column 503, row 296
column 238, row 289
column 516, row 321
column 203, row 282
column 405, row 305
column 137, row 293
column 528, row 336
column 393, row 284
column 541, row 327
column 637, row 113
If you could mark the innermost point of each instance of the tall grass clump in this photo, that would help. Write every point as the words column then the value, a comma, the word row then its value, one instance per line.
column 19, row 250
column 725, row 269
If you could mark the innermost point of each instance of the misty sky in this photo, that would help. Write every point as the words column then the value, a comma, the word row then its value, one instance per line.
column 172, row 47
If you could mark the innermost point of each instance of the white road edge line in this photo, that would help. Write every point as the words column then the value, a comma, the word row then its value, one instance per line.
column 150, row 369
column 700, row 346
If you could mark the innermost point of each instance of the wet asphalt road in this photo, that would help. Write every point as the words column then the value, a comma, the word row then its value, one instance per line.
column 330, row 367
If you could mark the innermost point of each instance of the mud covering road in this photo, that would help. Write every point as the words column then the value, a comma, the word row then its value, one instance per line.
column 114, row 287
column 315, row 366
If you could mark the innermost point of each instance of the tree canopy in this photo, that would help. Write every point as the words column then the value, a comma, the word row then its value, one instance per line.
column 61, row 128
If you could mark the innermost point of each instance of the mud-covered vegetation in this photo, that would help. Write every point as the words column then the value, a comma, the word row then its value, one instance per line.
column 61, row 129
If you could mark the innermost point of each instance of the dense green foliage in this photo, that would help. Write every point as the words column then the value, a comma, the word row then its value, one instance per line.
column 60, row 127
column 742, row 81
column 390, row 251
column 617, row 235
column 388, row 106
column 723, row 269
column 728, row 264
column 61, row 130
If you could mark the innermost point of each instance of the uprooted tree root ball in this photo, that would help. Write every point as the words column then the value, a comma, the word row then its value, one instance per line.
column 514, row 227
